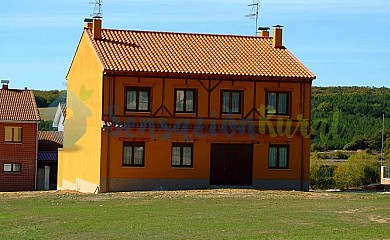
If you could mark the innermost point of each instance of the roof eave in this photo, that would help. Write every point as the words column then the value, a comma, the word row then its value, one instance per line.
column 209, row 76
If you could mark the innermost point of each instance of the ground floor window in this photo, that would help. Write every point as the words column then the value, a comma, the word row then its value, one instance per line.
column 133, row 154
column 182, row 154
column 278, row 156
column 12, row 167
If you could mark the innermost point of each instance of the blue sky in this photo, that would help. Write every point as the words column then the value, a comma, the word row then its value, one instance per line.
column 344, row 42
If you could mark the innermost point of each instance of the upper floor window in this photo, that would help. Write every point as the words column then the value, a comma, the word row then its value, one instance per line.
column 133, row 154
column 278, row 156
column 13, row 134
column 185, row 100
column 278, row 103
column 12, row 167
column 231, row 102
column 138, row 99
column 182, row 154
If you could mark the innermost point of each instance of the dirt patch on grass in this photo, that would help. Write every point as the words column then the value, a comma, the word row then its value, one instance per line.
column 379, row 219
column 196, row 194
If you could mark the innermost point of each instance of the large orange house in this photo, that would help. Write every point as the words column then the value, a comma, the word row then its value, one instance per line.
column 161, row 110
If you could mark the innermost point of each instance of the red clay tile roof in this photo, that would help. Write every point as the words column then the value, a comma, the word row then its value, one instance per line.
column 54, row 136
column 18, row 105
column 185, row 53
column 49, row 140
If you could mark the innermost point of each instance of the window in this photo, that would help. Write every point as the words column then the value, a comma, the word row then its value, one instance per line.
column 12, row 167
column 13, row 134
column 185, row 101
column 278, row 103
column 231, row 102
column 278, row 156
column 133, row 154
column 138, row 99
column 182, row 154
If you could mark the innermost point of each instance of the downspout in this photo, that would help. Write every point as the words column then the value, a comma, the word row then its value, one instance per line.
column 108, row 162
column 111, row 97
column 303, row 98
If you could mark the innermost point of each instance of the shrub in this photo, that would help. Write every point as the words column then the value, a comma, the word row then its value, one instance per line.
column 318, row 147
column 341, row 155
column 360, row 169
column 321, row 176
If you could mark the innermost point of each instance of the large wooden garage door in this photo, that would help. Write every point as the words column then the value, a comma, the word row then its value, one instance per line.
column 231, row 164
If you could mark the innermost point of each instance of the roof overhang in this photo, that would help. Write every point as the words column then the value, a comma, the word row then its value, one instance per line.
column 12, row 121
column 208, row 76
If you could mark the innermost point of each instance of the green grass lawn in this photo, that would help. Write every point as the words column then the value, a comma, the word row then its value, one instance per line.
column 208, row 214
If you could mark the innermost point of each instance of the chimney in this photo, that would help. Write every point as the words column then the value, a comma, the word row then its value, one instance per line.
column 97, row 28
column 5, row 84
column 263, row 32
column 278, row 36
column 88, row 23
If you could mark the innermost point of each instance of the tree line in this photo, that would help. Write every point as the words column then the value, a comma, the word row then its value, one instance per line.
column 349, row 118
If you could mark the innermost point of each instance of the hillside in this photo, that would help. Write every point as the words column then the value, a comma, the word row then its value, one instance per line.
column 50, row 98
column 347, row 116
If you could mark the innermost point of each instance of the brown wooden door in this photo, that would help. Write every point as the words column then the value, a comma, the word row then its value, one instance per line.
column 231, row 164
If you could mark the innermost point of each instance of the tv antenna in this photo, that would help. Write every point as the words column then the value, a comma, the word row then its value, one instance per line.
column 97, row 11
column 254, row 12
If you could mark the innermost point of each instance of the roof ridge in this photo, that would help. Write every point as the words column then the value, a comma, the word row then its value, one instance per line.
column 187, row 33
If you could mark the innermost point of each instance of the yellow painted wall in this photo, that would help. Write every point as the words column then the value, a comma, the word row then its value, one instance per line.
column 79, row 165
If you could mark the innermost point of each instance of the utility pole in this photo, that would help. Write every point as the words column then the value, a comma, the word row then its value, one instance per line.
column 383, row 138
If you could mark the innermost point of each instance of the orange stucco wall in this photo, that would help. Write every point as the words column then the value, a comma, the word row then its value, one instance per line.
column 158, row 142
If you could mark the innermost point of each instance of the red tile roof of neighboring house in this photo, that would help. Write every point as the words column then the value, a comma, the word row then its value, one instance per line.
column 185, row 53
column 49, row 140
column 18, row 105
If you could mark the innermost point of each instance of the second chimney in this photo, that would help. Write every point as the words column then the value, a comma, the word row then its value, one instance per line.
column 278, row 36
column 88, row 23
column 97, row 28
column 5, row 84
column 263, row 31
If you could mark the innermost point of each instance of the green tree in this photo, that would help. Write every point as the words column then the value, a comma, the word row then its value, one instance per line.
column 45, row 125
column 358, row 143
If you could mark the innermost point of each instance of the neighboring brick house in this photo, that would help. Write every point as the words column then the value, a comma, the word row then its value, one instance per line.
column 48, row 144
column 19, row 119
column 159, row 110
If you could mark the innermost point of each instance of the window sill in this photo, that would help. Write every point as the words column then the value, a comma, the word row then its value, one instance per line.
column 184, row 114
column 279, row 169
column 182, row 167
column 232, row 115
column 278, row 116
column 128, row 113
column 13, row 143
column 139, row 167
